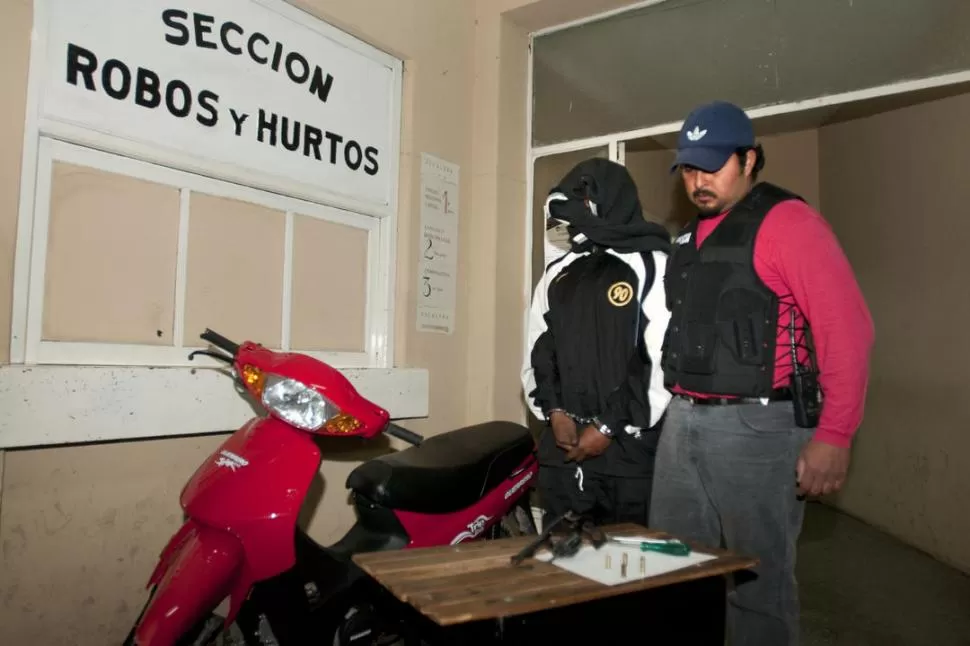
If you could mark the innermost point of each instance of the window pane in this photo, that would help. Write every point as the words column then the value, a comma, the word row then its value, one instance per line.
column 651, row 66
column 234, row 275
column 329, row 286
column 111, row 249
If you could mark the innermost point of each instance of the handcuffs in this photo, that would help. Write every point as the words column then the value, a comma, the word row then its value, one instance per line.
column 585, row 421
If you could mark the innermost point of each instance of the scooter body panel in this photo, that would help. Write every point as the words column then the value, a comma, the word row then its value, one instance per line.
column 426, row 530
column 253, row 487
column 199, row 567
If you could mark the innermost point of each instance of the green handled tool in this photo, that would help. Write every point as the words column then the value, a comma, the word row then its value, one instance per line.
column 671, row 546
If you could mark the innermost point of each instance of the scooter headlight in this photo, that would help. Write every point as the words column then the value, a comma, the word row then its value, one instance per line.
column 297, row 403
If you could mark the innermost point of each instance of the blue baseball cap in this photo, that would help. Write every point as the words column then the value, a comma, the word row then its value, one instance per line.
column 711, row 134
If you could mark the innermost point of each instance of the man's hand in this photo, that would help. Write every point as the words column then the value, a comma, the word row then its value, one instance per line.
column 591, row 444
column 564, row 429
column 821, row 468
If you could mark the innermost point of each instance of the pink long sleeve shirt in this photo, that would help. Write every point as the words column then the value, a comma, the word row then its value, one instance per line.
column 798, row 257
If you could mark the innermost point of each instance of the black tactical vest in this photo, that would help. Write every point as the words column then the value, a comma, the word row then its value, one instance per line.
column 723, row 327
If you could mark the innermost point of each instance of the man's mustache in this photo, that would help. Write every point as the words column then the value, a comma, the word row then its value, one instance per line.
column 702, row 193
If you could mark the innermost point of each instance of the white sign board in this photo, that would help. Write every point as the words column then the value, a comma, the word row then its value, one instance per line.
column 252, row 84
column 438, row 264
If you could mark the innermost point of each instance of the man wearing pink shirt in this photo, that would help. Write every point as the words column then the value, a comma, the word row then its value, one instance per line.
column 764, row 305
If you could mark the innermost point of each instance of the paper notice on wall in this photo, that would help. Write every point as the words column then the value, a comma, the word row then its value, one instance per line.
column 438, row 255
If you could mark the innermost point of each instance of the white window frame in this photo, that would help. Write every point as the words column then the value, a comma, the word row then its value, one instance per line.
column 39, row 351
column 50, row 137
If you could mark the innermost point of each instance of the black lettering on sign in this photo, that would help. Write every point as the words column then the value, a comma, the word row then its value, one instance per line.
column 116, row 85
column 267, row 124
column 224, row 31
column 344, row 151
column 146, row 91
column 178, row 98
column 173, row 20
column 334, row 140
column 203, row 26
column 239, row 118
column 147, row 94
column 81, row 62
column 207, row 103
column 252, row 51
column 277, row 57
column 297, row 68
column 353, row 155
column 201, row 29
column 372, row 166
column 290, row 142
column 321, row 86
column 312, row 139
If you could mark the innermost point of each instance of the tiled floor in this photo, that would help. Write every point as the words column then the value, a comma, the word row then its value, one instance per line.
column 861, row 587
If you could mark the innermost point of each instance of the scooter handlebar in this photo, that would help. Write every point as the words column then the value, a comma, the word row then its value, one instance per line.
column 403, row 434
column 220, row 341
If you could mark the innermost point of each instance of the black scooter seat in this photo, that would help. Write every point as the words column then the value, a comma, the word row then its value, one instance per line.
column 446, row 472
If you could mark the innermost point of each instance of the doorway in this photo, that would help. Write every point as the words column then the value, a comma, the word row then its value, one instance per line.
column 878, row 147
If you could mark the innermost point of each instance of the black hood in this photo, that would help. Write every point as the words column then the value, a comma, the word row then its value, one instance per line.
column 612, row 218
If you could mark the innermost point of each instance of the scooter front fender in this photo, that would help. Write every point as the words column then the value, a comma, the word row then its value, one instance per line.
column 198, row 569
column 253, row 486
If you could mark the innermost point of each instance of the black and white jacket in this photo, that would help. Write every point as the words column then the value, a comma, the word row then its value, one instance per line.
column 596, row 327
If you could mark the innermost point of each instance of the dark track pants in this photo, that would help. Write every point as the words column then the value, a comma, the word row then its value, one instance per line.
column 608, row 499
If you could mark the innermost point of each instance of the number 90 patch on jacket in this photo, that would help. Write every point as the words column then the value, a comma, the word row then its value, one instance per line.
column 620, row 294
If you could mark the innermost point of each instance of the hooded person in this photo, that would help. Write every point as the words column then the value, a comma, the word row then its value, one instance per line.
column 596, row 327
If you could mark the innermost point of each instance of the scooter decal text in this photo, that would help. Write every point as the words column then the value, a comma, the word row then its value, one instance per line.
column 475, row 528
column 518, row 485
column 231, row 461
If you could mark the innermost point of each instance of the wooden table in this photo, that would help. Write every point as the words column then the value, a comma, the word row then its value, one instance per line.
column 471, row 594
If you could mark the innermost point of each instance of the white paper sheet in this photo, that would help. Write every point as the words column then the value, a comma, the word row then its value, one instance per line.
column 591, row 563
column 438, row 259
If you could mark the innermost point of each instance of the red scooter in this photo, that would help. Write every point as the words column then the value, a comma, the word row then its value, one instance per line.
column 241, row 543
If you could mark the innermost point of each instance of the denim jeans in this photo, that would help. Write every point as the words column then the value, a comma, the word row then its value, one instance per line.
column 725, row 476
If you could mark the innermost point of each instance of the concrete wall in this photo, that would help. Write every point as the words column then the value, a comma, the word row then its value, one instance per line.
column 890, row 185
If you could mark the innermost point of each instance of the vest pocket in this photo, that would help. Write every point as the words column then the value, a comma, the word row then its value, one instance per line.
column 699, row 353
column 741, row 324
